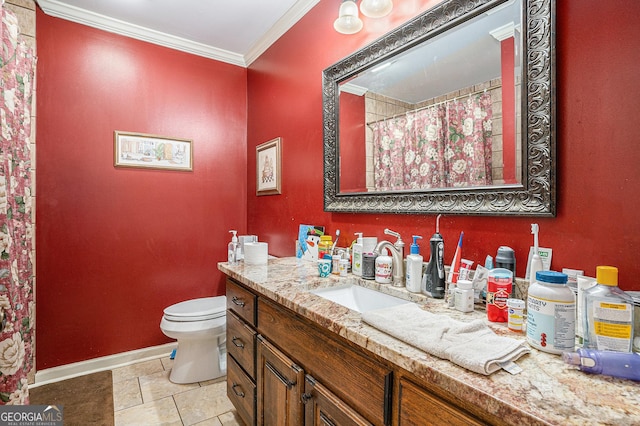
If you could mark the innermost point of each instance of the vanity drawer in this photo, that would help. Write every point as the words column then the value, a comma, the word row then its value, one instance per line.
column 241, row 343
column 241, row 301
column 242, row 392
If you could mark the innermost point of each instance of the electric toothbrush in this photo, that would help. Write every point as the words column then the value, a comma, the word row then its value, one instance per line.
column 536, row 260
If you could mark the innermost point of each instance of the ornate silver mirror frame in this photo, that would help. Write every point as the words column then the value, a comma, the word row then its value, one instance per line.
column 536, row 196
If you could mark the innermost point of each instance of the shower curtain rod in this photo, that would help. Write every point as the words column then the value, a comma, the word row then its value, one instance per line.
column 431, row 105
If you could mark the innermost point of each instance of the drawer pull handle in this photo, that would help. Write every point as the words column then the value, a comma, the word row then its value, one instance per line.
column 237, row 301
column 233, row 387
column 235, row 341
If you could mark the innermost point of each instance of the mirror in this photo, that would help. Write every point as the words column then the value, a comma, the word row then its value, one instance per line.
column 453, row 112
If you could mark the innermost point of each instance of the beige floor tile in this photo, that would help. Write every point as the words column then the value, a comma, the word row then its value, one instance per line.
column 126, row 393
column 157, row 386
column 167, row 363
column 210, row 382
column 210, row 422
column 231, row 418
column 203, row 403
column 160, row 412
column 136, row 370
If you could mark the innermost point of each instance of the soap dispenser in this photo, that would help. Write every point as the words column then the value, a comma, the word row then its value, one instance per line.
column 434, row 280
column 414, row 267
column 233, row 249
column 356, row 268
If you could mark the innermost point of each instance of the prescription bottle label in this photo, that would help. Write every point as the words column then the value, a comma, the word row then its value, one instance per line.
column 551, row 324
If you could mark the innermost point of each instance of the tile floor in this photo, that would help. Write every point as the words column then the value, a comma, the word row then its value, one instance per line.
column 143, row 395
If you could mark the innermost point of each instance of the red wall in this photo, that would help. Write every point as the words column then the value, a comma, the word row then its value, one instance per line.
column 598, row 173
column 116, row 246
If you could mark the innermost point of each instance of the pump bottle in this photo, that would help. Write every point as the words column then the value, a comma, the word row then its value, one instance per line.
column 434, row 280
column 414, row 267
column 233, row 249
column 357, row 255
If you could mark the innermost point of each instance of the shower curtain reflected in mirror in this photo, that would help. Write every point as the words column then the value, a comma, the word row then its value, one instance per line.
column 448, row 145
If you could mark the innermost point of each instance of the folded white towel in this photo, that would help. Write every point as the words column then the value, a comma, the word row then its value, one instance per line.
column 471, row 345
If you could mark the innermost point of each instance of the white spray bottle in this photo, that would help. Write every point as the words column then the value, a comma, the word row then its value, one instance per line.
column 536, row 260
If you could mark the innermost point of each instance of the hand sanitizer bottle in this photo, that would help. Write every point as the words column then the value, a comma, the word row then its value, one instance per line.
column 414, row 267
column 233, row 248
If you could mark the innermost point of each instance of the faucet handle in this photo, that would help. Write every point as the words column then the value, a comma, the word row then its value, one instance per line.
column 398, row 243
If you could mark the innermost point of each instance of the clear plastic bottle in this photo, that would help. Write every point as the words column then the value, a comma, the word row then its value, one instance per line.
column 551, row 313
column 609, row 314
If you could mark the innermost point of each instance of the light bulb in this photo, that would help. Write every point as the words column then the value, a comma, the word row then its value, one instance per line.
column 348, row 21
column 376, row 8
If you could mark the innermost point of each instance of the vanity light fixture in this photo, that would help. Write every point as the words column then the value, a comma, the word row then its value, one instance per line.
column 376, row 8
column 349, row 22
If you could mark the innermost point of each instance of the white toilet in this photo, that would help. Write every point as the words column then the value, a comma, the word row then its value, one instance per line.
column 200, row 327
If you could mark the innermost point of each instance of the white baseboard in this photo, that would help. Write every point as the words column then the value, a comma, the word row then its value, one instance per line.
column 68, row 371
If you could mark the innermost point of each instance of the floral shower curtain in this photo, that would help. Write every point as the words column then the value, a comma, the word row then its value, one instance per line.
column 447, row 145
column 16, row 272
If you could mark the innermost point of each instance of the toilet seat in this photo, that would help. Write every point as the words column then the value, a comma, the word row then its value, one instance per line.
column 202, row 309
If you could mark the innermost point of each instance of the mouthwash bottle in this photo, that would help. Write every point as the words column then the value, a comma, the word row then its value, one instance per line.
column 609, row 314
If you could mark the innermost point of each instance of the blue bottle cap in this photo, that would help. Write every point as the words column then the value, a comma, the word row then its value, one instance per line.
column 552, row 277
column 415, row 248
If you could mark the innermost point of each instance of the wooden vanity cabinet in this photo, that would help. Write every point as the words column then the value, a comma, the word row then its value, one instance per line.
column 241, row 350
column 417, row 406
column 323, row 408
column 280, row 384
column 292, row 371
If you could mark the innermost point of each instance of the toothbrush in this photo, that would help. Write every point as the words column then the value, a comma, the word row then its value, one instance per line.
column 336, row 241
column 536, row 260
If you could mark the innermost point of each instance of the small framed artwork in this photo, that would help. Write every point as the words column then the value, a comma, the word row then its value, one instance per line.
column 152, row 151
column 268, row 167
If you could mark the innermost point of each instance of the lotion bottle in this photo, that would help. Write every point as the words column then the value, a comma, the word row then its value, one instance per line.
column 356, row 268
column 414, row 267
column 233, row 249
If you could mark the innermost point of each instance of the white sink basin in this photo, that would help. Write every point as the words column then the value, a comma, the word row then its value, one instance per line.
column 358, row 298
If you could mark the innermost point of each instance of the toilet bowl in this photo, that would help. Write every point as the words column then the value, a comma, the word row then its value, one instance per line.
column 199, row 326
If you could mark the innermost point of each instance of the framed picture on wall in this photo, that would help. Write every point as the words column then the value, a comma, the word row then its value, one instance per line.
column 268, row 167
column 152, row 151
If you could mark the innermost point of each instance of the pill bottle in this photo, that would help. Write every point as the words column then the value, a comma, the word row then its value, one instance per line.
column 463, row 296
column 515, row 308
column 551, row 313
column 324, row 246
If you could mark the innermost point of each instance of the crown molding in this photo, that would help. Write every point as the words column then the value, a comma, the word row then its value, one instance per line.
column 82, row 16
column 288, row 20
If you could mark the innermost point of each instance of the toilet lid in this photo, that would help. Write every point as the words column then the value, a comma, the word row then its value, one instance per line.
column 197, row 309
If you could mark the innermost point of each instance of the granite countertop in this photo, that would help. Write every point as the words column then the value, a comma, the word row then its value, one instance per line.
column 547, row 391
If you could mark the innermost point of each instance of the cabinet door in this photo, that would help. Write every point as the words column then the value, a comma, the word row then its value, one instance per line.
column 419, row 407
column 323, row 408
column 280, row 383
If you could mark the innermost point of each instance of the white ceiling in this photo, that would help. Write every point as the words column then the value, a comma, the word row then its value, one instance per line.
column 233, row 31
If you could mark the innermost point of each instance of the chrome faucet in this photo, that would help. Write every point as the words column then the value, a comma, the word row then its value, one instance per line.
column 397, row 254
